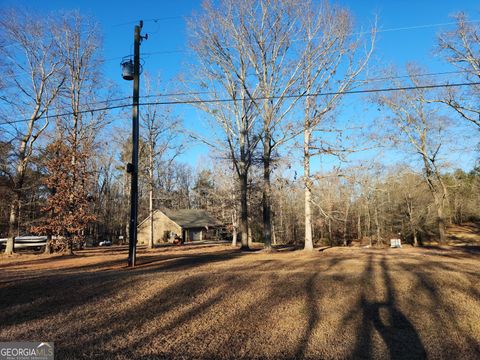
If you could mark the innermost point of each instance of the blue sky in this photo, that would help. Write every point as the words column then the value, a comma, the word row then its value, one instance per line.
column 395, row 45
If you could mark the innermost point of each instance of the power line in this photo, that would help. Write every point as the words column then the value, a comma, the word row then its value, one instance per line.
column 155, row 20
column 211, row 92
column 365, row 81
column 414, row 75
column 207, row 101
column 178, row 94
column 186, row 51
column 414, row 27
column 360, row 81
column 424, row 26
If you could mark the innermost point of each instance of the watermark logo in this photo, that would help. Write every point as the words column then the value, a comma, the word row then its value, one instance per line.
column 26, row 350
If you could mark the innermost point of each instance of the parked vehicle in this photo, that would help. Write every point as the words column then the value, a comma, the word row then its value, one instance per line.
column 26, row 242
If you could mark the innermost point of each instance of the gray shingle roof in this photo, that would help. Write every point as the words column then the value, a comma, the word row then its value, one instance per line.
column 191, row 218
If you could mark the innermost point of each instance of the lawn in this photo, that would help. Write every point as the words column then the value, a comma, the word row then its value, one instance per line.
column 215, row 302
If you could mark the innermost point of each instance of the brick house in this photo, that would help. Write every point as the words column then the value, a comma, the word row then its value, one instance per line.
column 189, row 224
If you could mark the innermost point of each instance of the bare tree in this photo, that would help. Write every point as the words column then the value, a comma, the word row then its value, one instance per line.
column 332, row 62
column 258, row 51
column 79, row 46
column 35, row 77
column 461, row 48
column 267, row 30
column 420, row 126
column 161, row 131
column 223, row 72
column 411, row 193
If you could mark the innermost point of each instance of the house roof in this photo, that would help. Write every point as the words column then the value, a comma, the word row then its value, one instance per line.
column 191, row 218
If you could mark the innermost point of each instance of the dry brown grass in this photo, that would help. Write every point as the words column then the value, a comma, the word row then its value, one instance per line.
column 214, row 302
column 468, row 233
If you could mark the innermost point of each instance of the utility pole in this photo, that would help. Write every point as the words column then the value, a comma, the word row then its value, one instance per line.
column 132, row 248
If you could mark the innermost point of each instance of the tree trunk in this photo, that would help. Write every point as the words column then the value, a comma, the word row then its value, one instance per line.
column 12, row 223
column 17, row 189
column 377, row 226
column 330, row 236
column 435, row 184
column 345, row 224
column 250, row 239
column 267, row 194
column 368, row 224
column 234, row 237
column 321, row 227
column 150, row 240
column 150, row 204
column 308, row 190
column 441, row 225
column 274, row 236
column 439, row 200
column 48, row 245
column 243, row 206
column 69, row 249
column 411, row 221
column 235, row 227
column 359, row 226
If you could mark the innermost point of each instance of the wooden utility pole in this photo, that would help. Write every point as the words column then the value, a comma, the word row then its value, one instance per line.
column 132, row 248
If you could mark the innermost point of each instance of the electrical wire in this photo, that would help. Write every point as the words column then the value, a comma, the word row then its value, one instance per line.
column 424, row 26
column 180, row 51
column 166, row 18
column 211, row 92
column 360, row 81
column 207, row 101
column 414, row 27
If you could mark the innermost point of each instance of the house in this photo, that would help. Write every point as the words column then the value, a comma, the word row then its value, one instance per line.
column 189, row 224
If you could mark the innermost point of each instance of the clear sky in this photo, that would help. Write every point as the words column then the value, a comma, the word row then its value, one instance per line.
column 164, row 21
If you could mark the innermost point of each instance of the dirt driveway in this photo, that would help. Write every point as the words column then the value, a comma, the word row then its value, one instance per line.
column 215, row 302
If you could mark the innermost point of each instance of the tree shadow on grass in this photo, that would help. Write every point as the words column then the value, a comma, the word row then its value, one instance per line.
column 182, row 262
column 177, row 296
column 159, row 262
column 284, row 289
column 397, row 332
column 149, row 326
column 38, row 261
column 313, row 314
column 37, row 298
column 443, row 311
column 454, row 252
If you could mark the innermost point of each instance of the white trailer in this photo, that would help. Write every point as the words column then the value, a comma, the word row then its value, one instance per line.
column 26, row 242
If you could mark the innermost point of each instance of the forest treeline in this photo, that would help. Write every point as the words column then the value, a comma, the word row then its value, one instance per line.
column 282, row 71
